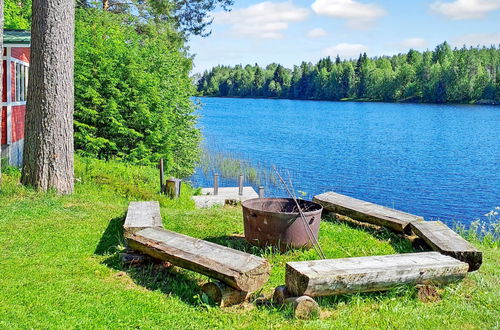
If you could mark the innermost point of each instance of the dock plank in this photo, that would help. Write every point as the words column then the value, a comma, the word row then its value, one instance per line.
column 443, row 239
column 240, row 270
column 141, row 215
column 363, row 274
column 366, row 211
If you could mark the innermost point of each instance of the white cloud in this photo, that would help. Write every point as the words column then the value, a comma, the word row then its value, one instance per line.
column 265, row 20
column 317, row 33
column 413, row 43
column 475, row 39
column 345, row 50
column 357, row 14
column 465, row 9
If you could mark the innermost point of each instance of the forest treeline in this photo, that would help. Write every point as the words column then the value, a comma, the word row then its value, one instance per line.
column 460, row 75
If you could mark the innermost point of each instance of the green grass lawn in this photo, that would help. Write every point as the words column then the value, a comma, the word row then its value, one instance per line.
column 60, row 266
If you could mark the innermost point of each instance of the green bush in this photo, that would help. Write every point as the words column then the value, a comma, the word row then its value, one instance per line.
column 132, row 92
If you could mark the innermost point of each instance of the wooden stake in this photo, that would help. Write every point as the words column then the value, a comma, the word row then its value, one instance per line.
column 162, row 178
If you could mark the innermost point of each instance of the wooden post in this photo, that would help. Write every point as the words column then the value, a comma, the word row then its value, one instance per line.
column 216, row 184
column 162, row 177
column 261, row 191
column 173, row 188
column 240, row 185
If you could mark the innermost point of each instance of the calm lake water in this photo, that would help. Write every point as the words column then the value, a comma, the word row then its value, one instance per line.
column 437, row 161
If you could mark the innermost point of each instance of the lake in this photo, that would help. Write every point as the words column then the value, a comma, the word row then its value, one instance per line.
column 437, row 161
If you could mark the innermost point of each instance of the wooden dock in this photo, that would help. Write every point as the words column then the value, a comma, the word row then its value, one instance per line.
column 226, row 195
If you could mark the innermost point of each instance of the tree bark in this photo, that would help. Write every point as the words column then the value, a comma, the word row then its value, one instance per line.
column 48, row 149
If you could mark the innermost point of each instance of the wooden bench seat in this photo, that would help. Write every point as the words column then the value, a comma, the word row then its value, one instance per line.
column 239, row 270
column 364, row 274
column 141, row 215
column 443, row 239
column 366, row 211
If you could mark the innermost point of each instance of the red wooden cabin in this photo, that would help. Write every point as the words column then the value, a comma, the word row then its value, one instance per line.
column 15, row 62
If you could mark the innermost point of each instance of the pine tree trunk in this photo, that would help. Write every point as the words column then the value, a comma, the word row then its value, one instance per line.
column 1, row 84
column 48, row 148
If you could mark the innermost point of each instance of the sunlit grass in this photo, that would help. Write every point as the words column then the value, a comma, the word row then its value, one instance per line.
column 60, row 266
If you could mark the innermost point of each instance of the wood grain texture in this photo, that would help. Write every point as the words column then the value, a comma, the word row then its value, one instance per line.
column 366, row 211
column 142, row 215
column 240, row 270
column 443, row 239
column 363, row 274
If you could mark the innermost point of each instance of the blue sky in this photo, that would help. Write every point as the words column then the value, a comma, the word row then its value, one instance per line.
column 287, row 32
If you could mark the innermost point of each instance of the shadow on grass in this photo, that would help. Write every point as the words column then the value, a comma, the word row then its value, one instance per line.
column 399, row 242
column 399, row 291
column 151, row 274
column 238, row 242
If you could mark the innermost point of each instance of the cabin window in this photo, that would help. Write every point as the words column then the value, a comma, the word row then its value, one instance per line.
column 21, row 88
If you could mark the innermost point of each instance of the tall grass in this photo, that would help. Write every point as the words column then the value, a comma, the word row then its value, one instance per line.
column 485, row 229
column 231, row 167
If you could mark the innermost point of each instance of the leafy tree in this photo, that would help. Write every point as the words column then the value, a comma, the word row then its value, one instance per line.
column 132, row 93
column 17, row 14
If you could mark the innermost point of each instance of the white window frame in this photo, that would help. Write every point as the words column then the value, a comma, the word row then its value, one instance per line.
column 21, row 82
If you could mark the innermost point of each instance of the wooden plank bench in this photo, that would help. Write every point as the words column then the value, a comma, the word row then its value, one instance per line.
column 366, row 211
column 141, row 215
column 443, row 239
column 239, row 270
column 363, row 274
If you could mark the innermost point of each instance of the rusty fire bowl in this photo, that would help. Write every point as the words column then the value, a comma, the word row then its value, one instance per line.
column 276, row 221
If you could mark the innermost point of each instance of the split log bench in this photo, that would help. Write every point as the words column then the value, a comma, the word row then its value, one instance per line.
column 444, row 240
column 141, row 215
column 239, row 273
column 366, row 211
column 363, row 274
column 239, row 270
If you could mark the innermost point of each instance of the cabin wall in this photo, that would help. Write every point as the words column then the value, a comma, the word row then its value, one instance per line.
column 13, row 113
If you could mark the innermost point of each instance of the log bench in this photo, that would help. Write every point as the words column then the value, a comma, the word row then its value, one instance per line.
column 141, row 215
column 239, row 270
column 363, row 274
column 366, row 211
column 444, row 240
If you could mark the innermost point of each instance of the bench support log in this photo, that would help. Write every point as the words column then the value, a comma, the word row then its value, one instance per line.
column 304, row 307
column 223, row 295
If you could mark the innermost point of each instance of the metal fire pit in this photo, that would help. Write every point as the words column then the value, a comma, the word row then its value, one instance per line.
column 276, row 221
